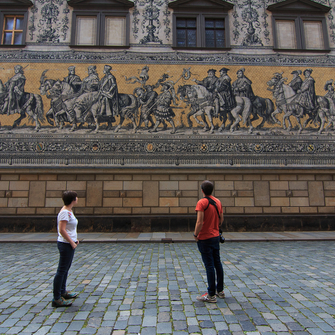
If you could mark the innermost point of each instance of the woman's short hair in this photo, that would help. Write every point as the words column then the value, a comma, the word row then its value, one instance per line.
column 68, row 197
column 207, row 187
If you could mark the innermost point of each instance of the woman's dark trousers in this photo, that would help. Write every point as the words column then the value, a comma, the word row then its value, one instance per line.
column 66, row 254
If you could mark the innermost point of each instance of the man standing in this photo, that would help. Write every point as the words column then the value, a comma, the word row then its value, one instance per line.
column 206, row 233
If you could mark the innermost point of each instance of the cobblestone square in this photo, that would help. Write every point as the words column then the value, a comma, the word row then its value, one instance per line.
column 151, row 288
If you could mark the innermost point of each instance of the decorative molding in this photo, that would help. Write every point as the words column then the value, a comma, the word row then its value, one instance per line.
column 175, row 57
column 49, row 20
column 136, row 151
column 32, row 19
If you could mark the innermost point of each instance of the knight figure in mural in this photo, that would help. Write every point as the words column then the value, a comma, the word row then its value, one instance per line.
column 162, row 109
column 209, row 83
column 109, row 96
column 330, row 112
column 91, row 82
column 242, row 88
column 306, row 94
column 296, row 81
column 72, row 79
column 15, row 100
column 15, row 91
column 225, row 100
column 147, row 99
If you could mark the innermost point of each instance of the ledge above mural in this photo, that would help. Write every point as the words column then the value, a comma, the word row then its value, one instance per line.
column 159, row 115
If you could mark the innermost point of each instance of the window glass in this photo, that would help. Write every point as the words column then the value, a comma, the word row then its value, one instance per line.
column 115, row 30
column 286, row 34
column 18, row 38
column 86, row 30
column 7, row 38
column 186, row 32
column 13, row 30
column 19, row 23
column 219, row 24
column 210, row 39
column 181, row 23
column 214, row 33
column 220, row 39
column 9, row 24
column 191, row 38
column 181, row 37
column 313, row 35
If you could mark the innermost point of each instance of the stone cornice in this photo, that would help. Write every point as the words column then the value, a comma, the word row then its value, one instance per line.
column 163, row 151
column 175, row 57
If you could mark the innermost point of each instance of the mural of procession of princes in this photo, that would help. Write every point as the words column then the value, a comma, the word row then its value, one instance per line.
column 216, row 104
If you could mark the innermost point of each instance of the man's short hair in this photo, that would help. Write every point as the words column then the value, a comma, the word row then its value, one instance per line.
column 68, row 197
column 207, row 187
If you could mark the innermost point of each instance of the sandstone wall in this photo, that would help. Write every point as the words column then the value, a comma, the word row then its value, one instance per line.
column 168, row 194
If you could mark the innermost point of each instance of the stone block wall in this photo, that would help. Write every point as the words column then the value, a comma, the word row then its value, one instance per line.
column 171, row 194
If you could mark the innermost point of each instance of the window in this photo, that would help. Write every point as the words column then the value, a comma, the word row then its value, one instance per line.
column 214, row 32
column 186, row 32
column 93, row 26
column 13, row 22
column 200, row 24
column 13, row 30
column 299, row 25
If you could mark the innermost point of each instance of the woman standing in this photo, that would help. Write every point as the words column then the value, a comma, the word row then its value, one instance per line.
column 66, row 243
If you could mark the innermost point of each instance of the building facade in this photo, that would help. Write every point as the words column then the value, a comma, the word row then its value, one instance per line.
column 134, row 103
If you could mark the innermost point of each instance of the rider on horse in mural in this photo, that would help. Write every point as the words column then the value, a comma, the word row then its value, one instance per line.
column 15, row 91
column 109, row 98
column 306, row 95
column 225, row 99
column 73, row 80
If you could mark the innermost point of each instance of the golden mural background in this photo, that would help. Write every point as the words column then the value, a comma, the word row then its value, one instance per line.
column 259, row 75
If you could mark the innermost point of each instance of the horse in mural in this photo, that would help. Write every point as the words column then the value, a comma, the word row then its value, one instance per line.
column 197, row 97
column 74, row 108
column 62, row 99
column 262, row 107
column 88, row 105
column 30, row 105
column 202, row 104
column 286, row 103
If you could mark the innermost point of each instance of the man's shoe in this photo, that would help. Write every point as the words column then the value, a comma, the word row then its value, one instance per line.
column 207, row 298
column 61, row 302
column 220, row 294
column 68, row 295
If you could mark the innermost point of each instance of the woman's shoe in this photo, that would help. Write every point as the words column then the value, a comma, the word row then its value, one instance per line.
column 221, row 294
column 69, row 295
column 207, row 298
column 61, row 302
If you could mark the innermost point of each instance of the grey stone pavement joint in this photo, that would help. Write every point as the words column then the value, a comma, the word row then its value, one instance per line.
column 96, row 237
column 285, row 287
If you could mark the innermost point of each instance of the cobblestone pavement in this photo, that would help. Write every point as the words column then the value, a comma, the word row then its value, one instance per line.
column 151, row 288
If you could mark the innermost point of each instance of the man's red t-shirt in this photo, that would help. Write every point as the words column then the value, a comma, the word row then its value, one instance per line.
column 211, row 222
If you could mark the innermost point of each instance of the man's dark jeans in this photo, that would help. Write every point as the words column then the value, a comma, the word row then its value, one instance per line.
column 66, row 254
column 210, row 253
